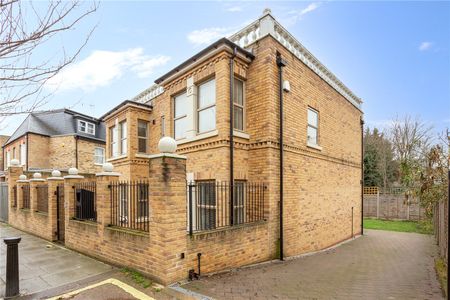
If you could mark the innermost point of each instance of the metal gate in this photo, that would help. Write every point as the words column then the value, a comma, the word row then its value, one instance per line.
column 4, row 202
column 60, row 215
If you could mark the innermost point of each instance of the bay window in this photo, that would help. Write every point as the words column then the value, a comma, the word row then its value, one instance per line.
column 142, row 136
column 23, row 154
column 206, row 106
column 180, row 116
column 123, row 137
column 238, row 105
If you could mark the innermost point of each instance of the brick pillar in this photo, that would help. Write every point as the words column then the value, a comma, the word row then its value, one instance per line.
column 168, row 215
column 53, row 183
column 103, row 194
column 34, row 182
column 69, row 194
column 13, row 175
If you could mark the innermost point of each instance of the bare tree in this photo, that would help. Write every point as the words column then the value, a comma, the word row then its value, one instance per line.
column 411, row 140
column 25, row 66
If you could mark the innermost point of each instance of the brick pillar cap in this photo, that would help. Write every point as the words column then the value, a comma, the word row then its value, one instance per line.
column 55, row 178
column 113, row 174
column 22, row 181
column 37, row 180
column 172, row 155
column 73, row 177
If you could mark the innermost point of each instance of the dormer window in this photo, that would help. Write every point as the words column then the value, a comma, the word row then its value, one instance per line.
column 86, row 127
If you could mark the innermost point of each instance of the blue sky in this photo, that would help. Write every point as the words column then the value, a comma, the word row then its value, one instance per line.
column 394, row 55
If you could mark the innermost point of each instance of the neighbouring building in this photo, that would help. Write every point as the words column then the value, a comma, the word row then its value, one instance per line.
column 267, row 164
column 57, row 139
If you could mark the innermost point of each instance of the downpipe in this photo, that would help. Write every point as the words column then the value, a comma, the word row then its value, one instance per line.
column 192, row 274
column 280, row 64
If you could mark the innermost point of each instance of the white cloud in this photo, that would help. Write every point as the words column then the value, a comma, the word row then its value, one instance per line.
column 297, row 15
column 100, row 68
column 311, row 7
column 207, row 36
column 234, row 9
column 424, row 46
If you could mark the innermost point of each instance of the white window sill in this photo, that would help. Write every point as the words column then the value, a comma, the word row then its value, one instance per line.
column 317, row 147
column 200, row 136
column 241, row 134
column 117, row 157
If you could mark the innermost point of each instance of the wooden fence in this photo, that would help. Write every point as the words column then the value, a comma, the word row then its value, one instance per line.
column 391, row 204
column 440, row 222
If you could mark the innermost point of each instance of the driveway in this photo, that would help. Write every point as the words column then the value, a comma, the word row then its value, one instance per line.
column 378, row 265
column 44, row 265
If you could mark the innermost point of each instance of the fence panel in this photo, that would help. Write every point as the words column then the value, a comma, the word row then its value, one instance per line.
column 85, row 201
column 209, row 204
column 42, row 198
column 440, row 220
column 130, row 204
column 26, row 196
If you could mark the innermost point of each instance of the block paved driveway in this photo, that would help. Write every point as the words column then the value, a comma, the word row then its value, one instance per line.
column 43, row 265
column 378, row 265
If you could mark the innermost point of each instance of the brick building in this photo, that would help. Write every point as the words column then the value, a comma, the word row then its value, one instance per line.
column 267, row 164
column 57, row 139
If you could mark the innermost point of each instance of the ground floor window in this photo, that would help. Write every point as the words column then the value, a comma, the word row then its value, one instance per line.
column 206, row 204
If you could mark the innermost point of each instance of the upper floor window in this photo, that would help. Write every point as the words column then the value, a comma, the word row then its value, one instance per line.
column 99, row 155
column 206, row 106
column 142, row 136
column 238, row 105
column 8, row 159
column 118, row 139
column 86, row 127
column 14, row 152
column 123, row 137
column 180, row 116
column 313, row 126
column 23, row 154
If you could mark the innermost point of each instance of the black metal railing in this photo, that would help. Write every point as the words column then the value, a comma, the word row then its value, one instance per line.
column 130, row 204
column 42, row 198
column 26, row 196
column 209, row 204
column 85, row 201
column 14, row 196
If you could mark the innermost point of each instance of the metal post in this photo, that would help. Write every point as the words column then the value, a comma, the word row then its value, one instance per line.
column 190, row 208
column 12, row 266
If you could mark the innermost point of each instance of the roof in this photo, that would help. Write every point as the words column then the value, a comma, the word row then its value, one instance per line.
column 134, row 103
column 222, row 41
column 57, row 122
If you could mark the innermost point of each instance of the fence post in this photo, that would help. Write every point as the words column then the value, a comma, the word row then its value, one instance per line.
column 53, row 183
column 167, row 180
column 34, row 182
column 103, row 193
column 12, row 266
column 14, row 172
column 378, row 204
column 69, row 194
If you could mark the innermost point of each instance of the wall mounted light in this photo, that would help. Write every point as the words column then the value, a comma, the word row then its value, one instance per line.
column 286, row 86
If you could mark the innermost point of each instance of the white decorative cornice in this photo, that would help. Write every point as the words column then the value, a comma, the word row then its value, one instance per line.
column 267, row 25
column 148, row 94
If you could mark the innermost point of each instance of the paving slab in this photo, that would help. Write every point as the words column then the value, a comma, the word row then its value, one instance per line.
column 378, row 265
column 44, row 265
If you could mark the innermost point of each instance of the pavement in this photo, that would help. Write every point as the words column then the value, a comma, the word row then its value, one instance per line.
column 44, row 265
column 378, row 265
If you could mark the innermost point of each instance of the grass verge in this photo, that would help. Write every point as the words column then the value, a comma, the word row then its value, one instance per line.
column 441, row 270
column 424, row 227
column 137, row 277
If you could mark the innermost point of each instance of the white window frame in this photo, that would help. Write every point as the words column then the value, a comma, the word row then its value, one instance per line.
column 23, row 154
column 143, row 137
column 235, row 104
column 210, row 106
column 113, row 142
column 96, row 156
column 86, row 125
column 175, row 119
column 314, row 127
column 123, row 149
column 8, row 159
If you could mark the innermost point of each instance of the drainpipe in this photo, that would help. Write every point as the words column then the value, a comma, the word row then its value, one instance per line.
column 362, row 175
column 281, row 63
column 232, row 135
